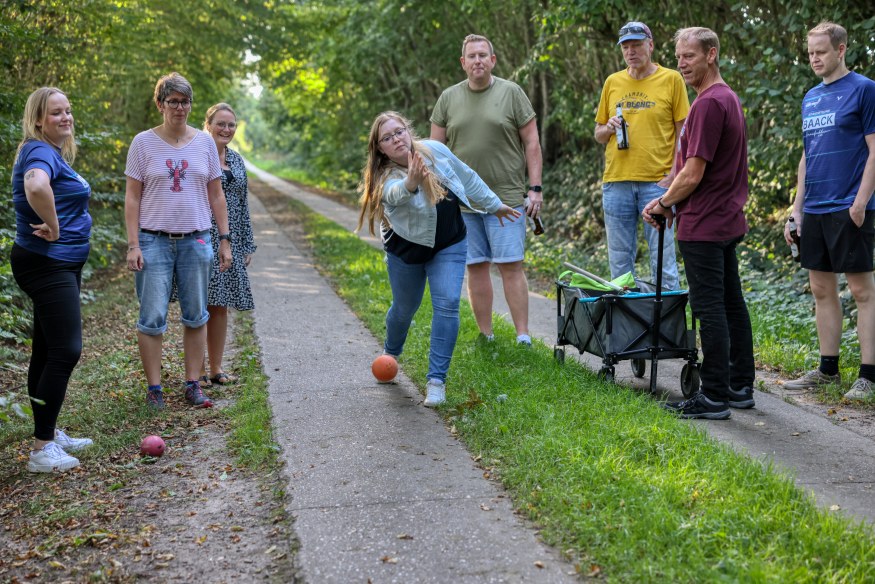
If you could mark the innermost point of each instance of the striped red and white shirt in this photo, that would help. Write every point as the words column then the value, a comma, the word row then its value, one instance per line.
column 174, row 181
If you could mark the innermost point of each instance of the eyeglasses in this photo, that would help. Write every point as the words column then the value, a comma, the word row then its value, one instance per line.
column 391, row 137
column 226, row 125
column 185, row 104
column 634, row 29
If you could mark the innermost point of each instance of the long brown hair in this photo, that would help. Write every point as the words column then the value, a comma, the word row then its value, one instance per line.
column 34, row 113
column 378, row 167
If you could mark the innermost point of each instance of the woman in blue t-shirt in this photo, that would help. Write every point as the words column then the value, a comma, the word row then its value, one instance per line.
column 51, row 245
column 414, row 189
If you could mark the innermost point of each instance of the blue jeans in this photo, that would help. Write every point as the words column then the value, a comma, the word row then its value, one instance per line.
column 717, row 301
column 190, row 259
column 623, row 202
column 489, row 241
column 444, row 274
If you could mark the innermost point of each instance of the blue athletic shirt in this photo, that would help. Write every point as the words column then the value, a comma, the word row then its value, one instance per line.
column 71, row 204
column 835, row 121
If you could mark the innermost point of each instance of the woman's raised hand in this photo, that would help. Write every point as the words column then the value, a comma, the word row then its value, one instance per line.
column 416, row 170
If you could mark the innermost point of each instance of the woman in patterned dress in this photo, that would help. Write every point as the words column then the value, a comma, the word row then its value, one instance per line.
column 229, row 288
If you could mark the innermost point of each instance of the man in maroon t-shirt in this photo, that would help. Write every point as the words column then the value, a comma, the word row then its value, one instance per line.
column 709, row 193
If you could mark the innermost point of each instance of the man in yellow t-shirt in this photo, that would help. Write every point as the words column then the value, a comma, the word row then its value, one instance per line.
column 654, row 105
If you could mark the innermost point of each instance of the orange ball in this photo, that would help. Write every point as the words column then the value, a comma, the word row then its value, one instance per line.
column 384, row 368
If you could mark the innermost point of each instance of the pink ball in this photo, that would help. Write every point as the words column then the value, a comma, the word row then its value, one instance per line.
column 152, row 446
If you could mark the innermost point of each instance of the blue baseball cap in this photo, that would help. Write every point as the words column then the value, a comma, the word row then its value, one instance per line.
column 634, row 31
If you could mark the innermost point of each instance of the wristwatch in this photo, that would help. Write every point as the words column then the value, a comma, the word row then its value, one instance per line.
column 225, row 237
column 535, row 188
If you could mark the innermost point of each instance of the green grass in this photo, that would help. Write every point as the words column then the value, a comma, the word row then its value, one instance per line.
column 251, row 429
column 612, row 480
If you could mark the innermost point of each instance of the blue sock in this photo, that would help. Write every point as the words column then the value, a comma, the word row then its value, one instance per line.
column 155, row 387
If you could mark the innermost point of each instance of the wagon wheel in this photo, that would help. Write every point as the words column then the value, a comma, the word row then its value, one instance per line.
column 559, row 355
column 607, row 373
column 639, row 367
column 690, row 379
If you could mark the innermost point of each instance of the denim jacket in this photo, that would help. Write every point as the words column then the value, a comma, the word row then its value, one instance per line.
column 411, row 216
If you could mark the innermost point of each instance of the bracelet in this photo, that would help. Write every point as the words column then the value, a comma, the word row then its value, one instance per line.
column 661, row 204
column 133, row 247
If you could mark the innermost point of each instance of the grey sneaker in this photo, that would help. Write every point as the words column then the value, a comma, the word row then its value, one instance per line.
column 71, row 444
column 51, row 458
column 436, row 393
column 524, row 340
column 741, row 399
column 813, row 380
column 862, row 389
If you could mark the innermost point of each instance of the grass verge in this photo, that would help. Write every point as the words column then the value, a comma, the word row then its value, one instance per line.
column 625, row 489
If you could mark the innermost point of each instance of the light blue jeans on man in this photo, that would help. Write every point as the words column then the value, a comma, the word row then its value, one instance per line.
column 190, row 259
column 623, row 202
column 444, row 274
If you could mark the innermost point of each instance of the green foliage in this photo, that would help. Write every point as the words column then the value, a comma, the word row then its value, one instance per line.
column 344, row 61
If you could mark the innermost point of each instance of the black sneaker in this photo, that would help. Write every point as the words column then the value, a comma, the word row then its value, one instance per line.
column 741, row 399
column 195, row 395
column 155, row 399
column 699, row 406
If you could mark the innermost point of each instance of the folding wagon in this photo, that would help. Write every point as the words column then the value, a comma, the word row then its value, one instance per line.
column 636, row 325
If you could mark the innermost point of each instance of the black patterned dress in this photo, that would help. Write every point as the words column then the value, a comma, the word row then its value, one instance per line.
column 231, row 288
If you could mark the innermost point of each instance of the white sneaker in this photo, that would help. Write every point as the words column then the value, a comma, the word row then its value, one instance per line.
column 861, row 389
column 71, row 444
column 50, row 459
column 436, row 393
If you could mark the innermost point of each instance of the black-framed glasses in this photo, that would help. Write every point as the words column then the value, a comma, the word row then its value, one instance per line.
column 634, row 29
column 176, row 104
column 396, row 134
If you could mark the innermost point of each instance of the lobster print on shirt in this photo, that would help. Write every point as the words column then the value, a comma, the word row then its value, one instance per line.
column 177, row 173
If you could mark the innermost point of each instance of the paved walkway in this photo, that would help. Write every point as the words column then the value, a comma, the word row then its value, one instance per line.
column 380, row 489
column 369, row 464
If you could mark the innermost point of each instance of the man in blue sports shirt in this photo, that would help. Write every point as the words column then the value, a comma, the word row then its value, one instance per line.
column 834, row 206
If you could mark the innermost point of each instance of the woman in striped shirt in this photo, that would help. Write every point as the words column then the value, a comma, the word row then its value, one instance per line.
column 173, row 187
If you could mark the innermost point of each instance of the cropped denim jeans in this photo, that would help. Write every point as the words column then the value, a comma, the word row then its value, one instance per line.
column 444, row 274
column 188, row 259
column 623, row 202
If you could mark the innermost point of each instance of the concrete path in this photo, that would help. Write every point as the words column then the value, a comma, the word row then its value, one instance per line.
column 380, row 489
column 834, row 463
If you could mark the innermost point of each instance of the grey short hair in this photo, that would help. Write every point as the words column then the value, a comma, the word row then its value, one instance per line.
column 170, row 83
column 705, row 37
column 476, row 38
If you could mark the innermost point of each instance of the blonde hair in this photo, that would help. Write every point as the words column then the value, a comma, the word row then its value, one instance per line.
column 214, row 109
column 836, row 33
column 35, row 111
column 378, row 167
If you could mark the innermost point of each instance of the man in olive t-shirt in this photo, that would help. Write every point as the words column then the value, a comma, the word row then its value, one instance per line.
column 489, row 124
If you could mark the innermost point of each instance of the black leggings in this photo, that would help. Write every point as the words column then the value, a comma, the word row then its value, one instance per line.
column 53, row 286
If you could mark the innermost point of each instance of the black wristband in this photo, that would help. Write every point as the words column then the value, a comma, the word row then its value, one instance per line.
column 535, row 188
column 659, row 200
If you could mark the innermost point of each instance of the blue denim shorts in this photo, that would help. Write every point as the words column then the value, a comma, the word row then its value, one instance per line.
column 190, row 258
column 488, row 241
